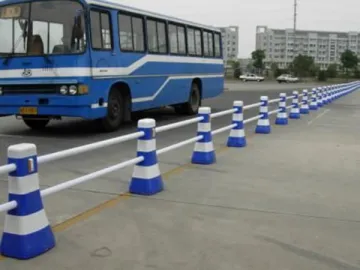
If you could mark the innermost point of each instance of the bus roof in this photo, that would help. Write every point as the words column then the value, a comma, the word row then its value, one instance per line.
column 109, row 4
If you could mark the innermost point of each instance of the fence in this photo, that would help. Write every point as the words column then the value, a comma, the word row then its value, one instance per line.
column 27, row 232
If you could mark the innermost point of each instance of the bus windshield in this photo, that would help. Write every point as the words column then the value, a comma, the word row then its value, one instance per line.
column 41, row 28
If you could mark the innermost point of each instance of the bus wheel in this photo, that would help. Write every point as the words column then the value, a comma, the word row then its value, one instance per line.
column 115, row 112
column 36, row 124
column 192, row 106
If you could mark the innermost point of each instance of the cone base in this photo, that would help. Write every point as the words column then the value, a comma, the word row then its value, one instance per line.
column 203, row 158
column 281, row 121
column 236, row 142
column 146, row 187
column 263, row 129
column 24, row 247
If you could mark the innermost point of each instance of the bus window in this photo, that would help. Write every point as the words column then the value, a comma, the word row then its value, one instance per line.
column 40, row 30
column 198, row 45
column 156, row 36
column 191, row 41
column 100, row 30
column 56, row 38
column 217, row 45
column 131, row 33
column 206, row 43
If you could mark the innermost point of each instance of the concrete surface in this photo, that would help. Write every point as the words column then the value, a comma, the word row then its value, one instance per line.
column 287, row 201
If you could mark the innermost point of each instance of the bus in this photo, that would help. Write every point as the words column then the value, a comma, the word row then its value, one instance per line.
column 101, row 60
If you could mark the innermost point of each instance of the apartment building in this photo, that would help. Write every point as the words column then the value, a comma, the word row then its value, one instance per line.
column 230, row 42
column 281, row 46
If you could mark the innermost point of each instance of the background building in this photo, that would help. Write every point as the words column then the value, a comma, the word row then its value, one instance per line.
column 325, row 47
column 230, row 42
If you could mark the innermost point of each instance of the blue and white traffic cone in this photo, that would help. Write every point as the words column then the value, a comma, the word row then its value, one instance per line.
column 319, row 97
column 237, row 134
column 146, row 178
column 305, row 103
column 328, row 91
column 263, row 124
column 27, row 232
column 295, row 110
column 204, row 152
column 313, row 103
column 282, row 116
column 324, row 95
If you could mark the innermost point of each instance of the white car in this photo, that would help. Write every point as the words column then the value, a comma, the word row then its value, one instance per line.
column 287, row 78
column 251, row 77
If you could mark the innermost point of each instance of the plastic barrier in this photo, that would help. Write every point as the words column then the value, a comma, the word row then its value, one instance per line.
column 27, row 232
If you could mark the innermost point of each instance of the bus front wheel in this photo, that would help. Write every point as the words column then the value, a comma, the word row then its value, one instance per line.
column 36, row 124
column 192, row 106
column 115, row 112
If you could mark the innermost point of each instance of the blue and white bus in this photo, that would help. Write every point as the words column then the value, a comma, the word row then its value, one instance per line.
column 100, row 60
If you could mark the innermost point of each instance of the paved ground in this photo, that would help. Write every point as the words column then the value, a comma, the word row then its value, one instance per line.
column 287, row 201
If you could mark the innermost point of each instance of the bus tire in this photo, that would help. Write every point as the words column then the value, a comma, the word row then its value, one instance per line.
column 115, row 112
column 36, row 124
column 192, row 106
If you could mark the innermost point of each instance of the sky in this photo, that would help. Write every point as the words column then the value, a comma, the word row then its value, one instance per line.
column 327, row 15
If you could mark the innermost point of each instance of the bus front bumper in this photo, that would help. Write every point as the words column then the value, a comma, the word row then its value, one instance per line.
column 52, row 106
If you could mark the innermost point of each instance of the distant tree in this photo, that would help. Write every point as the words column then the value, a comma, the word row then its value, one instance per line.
column 235, row 65
column 349, row 61
column 322, row 76
column 314, row 70
column 302, row 65
column 332, row 71
column 258, row 57
column 356, row 73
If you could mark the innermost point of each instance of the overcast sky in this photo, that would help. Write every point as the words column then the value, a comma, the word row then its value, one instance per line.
column 330, row 15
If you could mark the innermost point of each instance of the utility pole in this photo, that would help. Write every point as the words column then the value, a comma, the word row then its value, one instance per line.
column 295, row 17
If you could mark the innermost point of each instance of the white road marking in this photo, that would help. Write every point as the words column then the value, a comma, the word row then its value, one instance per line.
column 318, row 117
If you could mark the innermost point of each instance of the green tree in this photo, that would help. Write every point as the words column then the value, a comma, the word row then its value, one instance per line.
column 332, row 71
column 349, row 61
column 302, row 64
column 322, row 76
column 258, row 57
column 235, row 65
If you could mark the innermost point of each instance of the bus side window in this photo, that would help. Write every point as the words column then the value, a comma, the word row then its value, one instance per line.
column 100, row 30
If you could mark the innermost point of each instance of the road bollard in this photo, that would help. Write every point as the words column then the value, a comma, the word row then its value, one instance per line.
column 313, row 104
column 282, row 116
column 237, row 134
column 295, row 110
column 263, row 124
column 305, row 103
column 204, row 152
column 146, row 178
column 319, row 97
column 27, row 232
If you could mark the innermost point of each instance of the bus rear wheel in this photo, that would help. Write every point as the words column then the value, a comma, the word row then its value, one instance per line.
column 115, row 112
column 36, row 124
column 191, row 107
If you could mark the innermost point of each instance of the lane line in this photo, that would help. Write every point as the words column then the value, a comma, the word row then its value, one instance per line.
column 318, row 117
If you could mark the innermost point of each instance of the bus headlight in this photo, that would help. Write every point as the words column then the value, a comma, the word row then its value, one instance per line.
column 72, row 90
column 63, row 90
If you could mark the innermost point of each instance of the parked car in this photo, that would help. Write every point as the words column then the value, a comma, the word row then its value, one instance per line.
column 251, row 77
column 287, row 78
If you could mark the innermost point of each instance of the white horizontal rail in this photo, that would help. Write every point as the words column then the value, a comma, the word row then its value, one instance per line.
column 301, row 95
column 8, row 206
column 7, row 168
column 220, row 130
column 91, row 176
column 178, row 124
column 274, row 100
column 274, row 111
column 252, row 119
column 289, row 97
column 218, row 114
column 250, row 106
column 178, row 145
column 88, row 147
column 290, row 106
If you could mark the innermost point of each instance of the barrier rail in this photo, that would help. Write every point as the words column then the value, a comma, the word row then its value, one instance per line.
column 27, row 232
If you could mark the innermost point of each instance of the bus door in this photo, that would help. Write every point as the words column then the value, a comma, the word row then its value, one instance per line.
column 103, row 57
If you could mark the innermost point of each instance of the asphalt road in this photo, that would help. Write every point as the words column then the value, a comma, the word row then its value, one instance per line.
column 67, row 133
